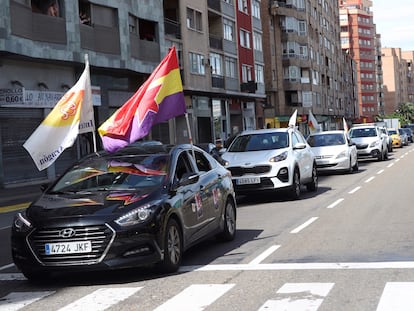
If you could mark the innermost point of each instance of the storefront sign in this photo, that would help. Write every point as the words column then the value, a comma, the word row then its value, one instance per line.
column 22, row 98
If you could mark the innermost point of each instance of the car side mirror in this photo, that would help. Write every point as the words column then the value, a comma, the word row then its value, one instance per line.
column 299, row 146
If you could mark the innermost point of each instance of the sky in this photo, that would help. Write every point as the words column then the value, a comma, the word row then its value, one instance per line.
column 395, row 23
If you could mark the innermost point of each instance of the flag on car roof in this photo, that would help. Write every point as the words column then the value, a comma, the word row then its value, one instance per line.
column 292, row 120
column 313, row 123
column 159, row 99
column 73, row 114
column 346, row 129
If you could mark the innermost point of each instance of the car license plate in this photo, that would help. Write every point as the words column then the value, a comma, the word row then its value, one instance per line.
column 68, row 248
column 248, row 180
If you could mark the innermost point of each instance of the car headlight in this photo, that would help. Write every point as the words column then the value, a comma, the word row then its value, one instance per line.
column 279, row 157
column 341, row 155
column 21, row 223
column 374, row 144
column 137, row 215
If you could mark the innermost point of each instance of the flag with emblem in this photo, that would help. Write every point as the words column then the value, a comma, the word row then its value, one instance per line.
column 159, row 99
column 313, row 123
column 72, row 115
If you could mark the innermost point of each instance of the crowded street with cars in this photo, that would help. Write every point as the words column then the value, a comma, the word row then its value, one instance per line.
column 343, row 246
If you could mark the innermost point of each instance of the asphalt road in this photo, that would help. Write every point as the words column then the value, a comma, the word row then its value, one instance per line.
column 348, row 246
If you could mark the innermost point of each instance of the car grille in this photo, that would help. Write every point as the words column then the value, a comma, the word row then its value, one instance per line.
column 240, row 171
column 361, row 146
column 101, row 236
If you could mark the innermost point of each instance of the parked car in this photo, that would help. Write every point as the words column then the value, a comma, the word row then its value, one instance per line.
column 404, row 137
column 396, row 137
column 141, row 205
column 384, row 130
column 408, row 132
column 270, row 160
column 370, row 141
column 333, row 151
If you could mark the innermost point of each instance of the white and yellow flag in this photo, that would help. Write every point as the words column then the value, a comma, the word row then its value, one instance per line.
column 313, row 123
column 72, row 115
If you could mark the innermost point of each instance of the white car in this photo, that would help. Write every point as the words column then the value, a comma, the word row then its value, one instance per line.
column 333, row 151
column 271, row 159
column 370, row 141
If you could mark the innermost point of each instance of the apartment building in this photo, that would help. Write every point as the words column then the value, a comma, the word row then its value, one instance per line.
column 398, row 79
column 358, row 39
column 43, row 44
column 307, row 69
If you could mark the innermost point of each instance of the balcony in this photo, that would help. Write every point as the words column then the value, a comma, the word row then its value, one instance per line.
column 100, row 39
column 249, row 87
column 172, row 28
column 144, row 50
column 216, row 42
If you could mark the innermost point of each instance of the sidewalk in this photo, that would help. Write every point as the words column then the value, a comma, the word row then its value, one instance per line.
column 16, row 195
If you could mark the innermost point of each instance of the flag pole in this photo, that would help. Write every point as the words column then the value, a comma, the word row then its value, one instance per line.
column 190, row 137
column 90, row 90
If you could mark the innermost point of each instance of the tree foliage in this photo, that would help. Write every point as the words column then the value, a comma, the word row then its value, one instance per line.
column 405, row 113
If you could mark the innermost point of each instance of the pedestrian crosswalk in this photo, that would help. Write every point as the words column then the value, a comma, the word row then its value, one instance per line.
column 197, row 297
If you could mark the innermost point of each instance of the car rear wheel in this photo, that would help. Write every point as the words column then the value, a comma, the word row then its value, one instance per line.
column 229, row 230
column 295, row 187
column 173, row 247
column 355, row 168
column 313, row 185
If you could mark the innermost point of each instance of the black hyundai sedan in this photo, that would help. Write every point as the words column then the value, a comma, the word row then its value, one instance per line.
column 142, row 205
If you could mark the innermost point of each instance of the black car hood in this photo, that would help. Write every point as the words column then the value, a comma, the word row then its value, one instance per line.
column 99, row 204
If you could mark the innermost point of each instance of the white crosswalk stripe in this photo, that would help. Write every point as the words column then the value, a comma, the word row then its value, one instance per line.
column 197, row 297
column 101, row 299
column 16, row 301
column 298, row 296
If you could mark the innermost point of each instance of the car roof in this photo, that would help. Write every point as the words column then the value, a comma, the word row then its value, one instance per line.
column 264, row 131
column 328, row 132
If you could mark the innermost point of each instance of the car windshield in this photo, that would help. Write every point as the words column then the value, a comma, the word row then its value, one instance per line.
column 326, row 140
column 392, row 132
column 262, row 141
column 362, row 132
column 121, row 173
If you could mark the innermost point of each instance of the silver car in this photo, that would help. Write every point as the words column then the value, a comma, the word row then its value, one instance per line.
column 370, row 141
column 333, row 151
column 270, row 160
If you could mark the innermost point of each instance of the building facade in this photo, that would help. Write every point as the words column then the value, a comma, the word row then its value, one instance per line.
column 307, row 71
column 42, row 50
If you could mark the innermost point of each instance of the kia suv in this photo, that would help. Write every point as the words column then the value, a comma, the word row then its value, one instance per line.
column 270, row 160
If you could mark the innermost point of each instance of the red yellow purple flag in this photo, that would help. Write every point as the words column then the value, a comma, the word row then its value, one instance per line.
column 159, row 99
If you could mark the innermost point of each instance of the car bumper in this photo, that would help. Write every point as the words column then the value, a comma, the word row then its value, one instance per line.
column 374, row 153
column 332, row 164
column 123, row 249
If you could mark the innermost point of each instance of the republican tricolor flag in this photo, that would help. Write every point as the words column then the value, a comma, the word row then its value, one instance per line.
column 159, row 99
column 60, row 128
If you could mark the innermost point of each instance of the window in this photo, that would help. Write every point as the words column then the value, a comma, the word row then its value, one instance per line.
column 243, row 6
column 246, row 73
column 230, row 64
column 194, row 19
column 203, row 164
column 228, row 29
column 257, row 41
column 259, row 73
column 244, row 38
column 216, row 64
column 197, row 63
column 256, row 8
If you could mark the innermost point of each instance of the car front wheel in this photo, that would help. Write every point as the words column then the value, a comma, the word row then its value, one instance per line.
column 295, row 187
column 173, row 247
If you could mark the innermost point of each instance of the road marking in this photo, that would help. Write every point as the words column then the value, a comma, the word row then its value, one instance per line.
column 396, row 160
column 391, row 164
column 354, row 190
column 298, row 296
column 12, row 277
column 264, row 255
column 335, row 203
column 196, row 297
column 303, row 266
column 380, row 172
column 397, row 296
column 101, row 299
column 15, row 301
column 369, row 179
column 15, row 207
column 6, row 266
column 4, row 228
column 304, row 225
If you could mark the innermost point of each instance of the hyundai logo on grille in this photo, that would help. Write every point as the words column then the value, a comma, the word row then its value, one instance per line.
column 67, row 233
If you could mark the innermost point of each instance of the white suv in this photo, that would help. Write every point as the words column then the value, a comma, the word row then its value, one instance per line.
column 370, row 141
column 271, row 159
